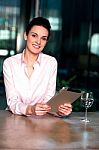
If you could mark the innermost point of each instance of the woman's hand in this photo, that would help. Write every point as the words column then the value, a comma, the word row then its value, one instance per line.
column 65, row 109
column 38, row 109
column 42, row 109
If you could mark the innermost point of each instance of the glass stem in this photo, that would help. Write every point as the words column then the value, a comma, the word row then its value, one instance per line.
column 86, row 114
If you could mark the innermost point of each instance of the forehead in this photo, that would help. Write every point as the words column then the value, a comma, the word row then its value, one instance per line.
column 40, row 30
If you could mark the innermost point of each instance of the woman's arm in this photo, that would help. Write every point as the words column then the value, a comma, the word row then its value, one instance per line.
column 13, row 99
column 51, row 88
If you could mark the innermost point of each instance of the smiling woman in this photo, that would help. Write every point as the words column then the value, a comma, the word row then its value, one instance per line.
column 27, row 88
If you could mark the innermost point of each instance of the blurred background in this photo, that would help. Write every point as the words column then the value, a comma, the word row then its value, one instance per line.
column 74, row 40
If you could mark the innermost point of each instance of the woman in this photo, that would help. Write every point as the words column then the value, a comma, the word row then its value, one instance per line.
column 30, row 76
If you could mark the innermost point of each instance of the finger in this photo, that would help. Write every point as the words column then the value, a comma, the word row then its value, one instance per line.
column 63, row 113
column 64, row 110
column 41, row 113
column 68, row 105
column 41, row 107
column 44, row 106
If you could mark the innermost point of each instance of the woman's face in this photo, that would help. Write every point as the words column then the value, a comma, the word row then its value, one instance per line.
column 36, row 39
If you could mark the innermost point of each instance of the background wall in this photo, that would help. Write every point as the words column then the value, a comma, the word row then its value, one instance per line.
column 74, row 40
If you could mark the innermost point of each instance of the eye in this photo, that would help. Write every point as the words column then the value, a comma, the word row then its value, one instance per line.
column 44, row 38
column 34, row 35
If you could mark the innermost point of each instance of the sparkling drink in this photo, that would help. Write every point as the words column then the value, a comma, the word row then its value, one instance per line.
column 87, row 102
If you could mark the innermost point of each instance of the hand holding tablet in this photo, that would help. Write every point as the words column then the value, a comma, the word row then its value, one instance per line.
column 64, row 96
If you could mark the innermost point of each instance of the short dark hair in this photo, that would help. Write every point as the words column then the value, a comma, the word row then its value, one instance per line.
column 40, row 21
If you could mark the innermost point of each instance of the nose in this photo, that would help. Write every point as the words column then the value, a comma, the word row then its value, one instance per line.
column 38, row 40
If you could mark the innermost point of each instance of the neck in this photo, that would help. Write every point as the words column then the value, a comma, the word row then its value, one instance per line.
column 30, row 58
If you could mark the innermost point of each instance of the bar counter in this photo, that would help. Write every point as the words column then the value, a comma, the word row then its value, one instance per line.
column 49, row 132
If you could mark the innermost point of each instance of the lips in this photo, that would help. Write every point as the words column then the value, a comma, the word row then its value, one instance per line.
column 36, row 46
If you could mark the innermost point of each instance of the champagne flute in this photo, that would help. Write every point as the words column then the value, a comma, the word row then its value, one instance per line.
column 87, row 101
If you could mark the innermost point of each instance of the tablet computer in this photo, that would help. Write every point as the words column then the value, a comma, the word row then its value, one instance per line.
column 64, row 96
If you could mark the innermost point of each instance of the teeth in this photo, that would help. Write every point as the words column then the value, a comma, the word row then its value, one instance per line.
column 36, row 46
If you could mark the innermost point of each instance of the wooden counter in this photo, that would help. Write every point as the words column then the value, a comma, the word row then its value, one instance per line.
column 48, row 132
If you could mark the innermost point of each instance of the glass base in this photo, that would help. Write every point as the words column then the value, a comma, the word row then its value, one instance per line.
column 85, row 120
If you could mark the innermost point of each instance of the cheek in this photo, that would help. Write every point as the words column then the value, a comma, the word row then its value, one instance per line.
column 29, row 38
column 44, row 44
column 29, row 41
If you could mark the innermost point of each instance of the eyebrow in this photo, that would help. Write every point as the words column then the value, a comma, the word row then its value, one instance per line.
column 37, row 34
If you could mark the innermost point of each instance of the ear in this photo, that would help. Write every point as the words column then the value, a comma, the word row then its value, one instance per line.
column 25, row 36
